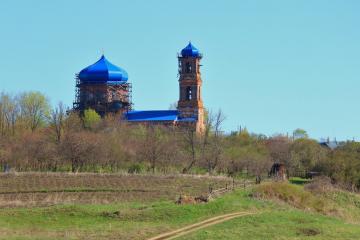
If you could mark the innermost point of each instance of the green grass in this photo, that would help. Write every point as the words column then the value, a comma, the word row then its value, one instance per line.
column 299, row 181
column 334, row 214
column 283, row 224
column 121, row 221
column 278, row 217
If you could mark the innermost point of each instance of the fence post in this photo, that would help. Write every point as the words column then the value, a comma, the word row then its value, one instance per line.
column 233, row 184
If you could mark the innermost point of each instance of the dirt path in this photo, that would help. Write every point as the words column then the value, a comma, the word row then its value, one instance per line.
column 199, row 225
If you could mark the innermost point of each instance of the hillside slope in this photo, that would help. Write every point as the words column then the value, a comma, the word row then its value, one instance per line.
column 284, row 212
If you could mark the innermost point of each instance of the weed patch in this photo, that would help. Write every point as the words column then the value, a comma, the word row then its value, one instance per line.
column 308, row 231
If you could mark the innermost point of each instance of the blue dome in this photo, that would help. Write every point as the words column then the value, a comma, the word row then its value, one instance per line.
column 103, row 71
column 190, row 51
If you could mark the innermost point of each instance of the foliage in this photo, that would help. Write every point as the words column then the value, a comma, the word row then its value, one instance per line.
column 136, row 168
column 91, row 119
column 29, row 110
column 35, row 109
column 247, row 152
column 343, row 165
column 300, row 133
column 305, row 154
column 34, row 137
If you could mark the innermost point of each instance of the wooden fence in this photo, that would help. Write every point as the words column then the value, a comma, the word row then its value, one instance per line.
column 213, row 193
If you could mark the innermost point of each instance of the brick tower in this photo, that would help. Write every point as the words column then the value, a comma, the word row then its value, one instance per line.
column 190, row 105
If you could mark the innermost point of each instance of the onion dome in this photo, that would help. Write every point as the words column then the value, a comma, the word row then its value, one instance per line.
column 190, row 51
column 103, row 71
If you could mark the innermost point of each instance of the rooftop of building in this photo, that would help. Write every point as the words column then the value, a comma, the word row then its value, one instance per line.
column 155, row 115
column 190, row 51
column 103, row 71
column 331, row 144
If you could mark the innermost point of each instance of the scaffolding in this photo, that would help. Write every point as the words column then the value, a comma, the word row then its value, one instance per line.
column 119, row 101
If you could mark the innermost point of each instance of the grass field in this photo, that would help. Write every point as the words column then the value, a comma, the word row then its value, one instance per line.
column 283, row 211
column 281, row 224
column 113, row 221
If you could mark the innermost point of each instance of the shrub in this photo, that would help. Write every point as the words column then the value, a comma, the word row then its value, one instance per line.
column 136, row 168
column 293, row 195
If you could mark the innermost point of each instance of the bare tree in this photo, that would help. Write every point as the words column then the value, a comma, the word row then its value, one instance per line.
column 191, row 144
column 152, row 147
column 212, row 140
column 57, row 120
column 81, row 149
column 9, row 111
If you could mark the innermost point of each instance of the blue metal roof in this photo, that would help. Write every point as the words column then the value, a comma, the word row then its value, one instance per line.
column 188, row 119
column 331, row 144
column 155, row 115
column 103, row 71
column 190, row 51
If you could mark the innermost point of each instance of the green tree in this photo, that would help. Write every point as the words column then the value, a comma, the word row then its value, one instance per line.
column 247, row 153
column 35, row 109
column 305, row 154
column 343, row 165
column 91, row 119
column 300, row 133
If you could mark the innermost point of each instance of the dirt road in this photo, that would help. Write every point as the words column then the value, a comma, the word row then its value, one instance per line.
column 200, row 225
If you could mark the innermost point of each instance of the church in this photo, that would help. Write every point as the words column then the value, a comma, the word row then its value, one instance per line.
column 105, row 88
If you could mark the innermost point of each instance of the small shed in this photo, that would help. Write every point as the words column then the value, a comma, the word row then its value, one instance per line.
column 278, row 171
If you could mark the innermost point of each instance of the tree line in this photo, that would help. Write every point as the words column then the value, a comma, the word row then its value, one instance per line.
column 36, row 137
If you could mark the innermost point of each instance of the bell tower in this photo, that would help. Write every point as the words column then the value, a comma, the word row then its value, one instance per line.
column 190, row 105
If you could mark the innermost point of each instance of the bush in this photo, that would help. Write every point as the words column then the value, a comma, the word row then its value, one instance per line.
column 136, row 168
column 320, row 185
column 293, row 195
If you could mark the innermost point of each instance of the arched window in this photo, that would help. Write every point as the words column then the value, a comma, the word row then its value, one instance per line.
column 188, row 67
column 188, row 93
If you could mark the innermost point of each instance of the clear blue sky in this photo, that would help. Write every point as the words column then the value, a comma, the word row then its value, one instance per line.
column 271, row 66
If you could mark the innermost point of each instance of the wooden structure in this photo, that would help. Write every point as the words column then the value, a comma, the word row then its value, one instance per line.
column 278, row 172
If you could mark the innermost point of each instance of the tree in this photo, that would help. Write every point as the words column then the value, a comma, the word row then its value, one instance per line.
column 191, row 144
column 279, row 148
column 57, row 120
column 343, row 165
column 82, row 149
column 73, row 123
column 153, row 145
column 247, row 152
column 9, row 112
column 299, row 133
column 91, row 119
column 212, row 140
column 305, row 154
column 35, row 109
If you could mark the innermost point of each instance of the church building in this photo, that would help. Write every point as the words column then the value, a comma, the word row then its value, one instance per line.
column 104, row 87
